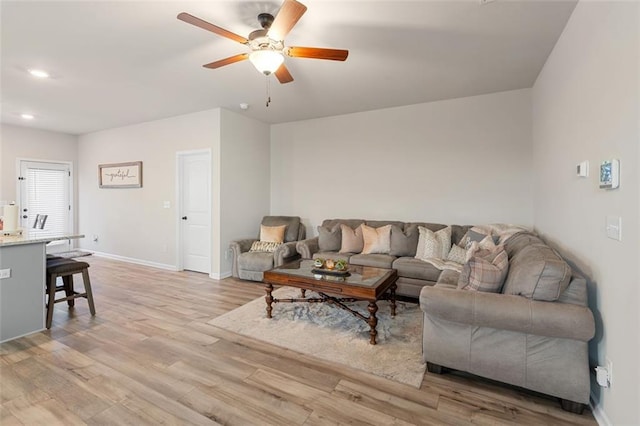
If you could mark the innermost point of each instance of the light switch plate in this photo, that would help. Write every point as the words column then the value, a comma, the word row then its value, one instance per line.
column 5, row 273
column 614, row 227
column 167, row 205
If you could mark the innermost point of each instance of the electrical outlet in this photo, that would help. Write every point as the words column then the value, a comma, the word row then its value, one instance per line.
column 5, row 273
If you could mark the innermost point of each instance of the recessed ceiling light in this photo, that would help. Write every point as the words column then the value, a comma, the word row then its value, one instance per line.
column 27, row 116
column 39, row 73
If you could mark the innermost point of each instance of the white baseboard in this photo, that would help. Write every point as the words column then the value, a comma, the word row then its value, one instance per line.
column 133, row 260
column 598, row 413
column 220, row 276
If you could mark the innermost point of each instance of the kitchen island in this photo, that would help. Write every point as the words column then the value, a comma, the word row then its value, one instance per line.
column 22, row 281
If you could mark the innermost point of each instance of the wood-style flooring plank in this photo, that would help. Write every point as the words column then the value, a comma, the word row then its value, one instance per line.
column 149, row 357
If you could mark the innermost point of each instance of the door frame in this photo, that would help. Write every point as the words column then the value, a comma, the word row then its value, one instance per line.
column 180, row 156
column 72, row 186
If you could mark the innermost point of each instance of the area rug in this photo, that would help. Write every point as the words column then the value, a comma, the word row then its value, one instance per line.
column 335, row 335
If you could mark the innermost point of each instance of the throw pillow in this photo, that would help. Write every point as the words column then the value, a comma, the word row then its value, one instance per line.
column 274, row 234
column 404, row 243
column 476, row 234
column 433, row 244
column 264, row 246
column 457, row 254
column 352, row 240
column 376, row 240
column 485, row 273
column 329, row 238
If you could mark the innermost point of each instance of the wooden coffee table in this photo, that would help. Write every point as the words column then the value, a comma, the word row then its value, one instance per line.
column 362, row 283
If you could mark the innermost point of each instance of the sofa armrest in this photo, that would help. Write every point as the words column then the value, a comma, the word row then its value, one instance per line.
column 509, row 312
column 237, row 248
column 306, row 248
column 284, row 253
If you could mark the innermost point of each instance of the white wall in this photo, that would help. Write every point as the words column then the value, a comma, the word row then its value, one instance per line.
column 244, row 189
column 586, row 107
column 132, row 222
column 22, row 142
column 464, row 161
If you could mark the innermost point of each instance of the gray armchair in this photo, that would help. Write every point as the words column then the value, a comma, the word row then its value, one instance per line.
column 251, row 265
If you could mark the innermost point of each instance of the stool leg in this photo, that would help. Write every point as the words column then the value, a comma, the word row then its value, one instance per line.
column 51, row 291
column 68, row 289
column 87, row 289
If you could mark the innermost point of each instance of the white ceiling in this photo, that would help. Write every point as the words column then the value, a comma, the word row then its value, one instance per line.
column 120, row 62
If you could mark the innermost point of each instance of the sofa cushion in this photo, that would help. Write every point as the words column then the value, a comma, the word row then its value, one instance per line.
column 255, row 261
column 376, row 240
column 448, row 278
column 375, row 260
column 265, row 246
column 484, row 273
column 404, row 242
column 537, row 272
column 433, row 244
column 329, row 239
column 415, row 268
column 519, row 241
column 292, row 223
column 351, row 223
column 352, row 240
column 380, row 223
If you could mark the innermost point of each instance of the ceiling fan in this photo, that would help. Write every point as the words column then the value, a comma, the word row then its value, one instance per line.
column 267, row 45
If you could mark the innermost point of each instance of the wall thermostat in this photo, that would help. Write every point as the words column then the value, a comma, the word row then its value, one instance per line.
column 610, row 174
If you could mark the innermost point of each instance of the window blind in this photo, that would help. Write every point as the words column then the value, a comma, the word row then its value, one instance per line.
column 48, row 194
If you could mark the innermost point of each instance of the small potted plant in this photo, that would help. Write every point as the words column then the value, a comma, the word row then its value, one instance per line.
column 341, row 265
column 318, row 263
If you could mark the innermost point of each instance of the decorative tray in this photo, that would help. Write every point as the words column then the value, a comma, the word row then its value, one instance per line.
column 343, row 273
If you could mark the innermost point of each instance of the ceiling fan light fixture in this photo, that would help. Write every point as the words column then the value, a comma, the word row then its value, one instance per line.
column 266, row 61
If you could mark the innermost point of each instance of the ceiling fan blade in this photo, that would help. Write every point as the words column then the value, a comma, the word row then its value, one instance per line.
column 190, row 19
column 227, row 61
column 283, row 75
column 317, row 53
column 289, row 14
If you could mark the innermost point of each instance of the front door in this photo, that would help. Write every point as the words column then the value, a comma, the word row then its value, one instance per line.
column 195, row 210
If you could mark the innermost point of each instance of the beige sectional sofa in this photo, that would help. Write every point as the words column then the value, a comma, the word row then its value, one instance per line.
column 534, row 333
column 413, row 274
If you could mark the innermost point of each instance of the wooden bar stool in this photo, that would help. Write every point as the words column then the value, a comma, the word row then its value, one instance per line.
column 66, row 268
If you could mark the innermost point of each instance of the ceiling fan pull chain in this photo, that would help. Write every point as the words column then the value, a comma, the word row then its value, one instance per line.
column 268, row 91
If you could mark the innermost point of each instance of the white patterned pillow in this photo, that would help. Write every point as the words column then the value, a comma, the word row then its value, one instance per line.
column 265, row 246
column 433, row 244
column 457, row 254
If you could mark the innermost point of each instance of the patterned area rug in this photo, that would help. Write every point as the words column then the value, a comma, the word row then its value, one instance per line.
column 333, row 334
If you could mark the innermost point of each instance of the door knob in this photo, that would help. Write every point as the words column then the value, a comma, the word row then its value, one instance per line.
column 184, row 218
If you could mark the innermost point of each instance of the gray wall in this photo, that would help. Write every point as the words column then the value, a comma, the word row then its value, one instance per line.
column 459, row 161
column 586, row 107
column 133, row 223
column 34, row 144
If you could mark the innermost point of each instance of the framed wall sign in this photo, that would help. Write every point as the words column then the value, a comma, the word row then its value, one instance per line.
column 120, row 175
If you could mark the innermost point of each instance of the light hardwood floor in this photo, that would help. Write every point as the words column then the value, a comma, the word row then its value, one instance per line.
column 148, row 357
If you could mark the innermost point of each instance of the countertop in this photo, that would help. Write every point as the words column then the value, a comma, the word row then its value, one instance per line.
column 34, row 237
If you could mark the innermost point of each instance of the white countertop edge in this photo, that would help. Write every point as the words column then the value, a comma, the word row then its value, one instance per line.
column 35, row 238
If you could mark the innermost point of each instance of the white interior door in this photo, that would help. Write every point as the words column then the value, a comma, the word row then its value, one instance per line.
column 45, row 189
column 194, row 175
